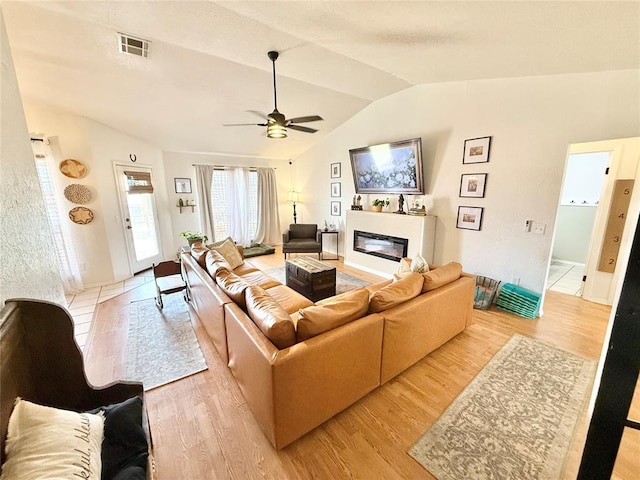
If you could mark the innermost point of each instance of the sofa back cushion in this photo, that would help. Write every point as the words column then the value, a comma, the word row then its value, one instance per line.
column 408, row 287
column 199, row 253
column 272, row 320
column 230, row 253
column 331, row 313
column 233, row 285
column 303, row 230
column 214, row 262
column 441, row 276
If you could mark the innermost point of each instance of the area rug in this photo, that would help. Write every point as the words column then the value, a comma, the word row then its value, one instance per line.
column 516, row 419
column 344, row 282
column 161, row 344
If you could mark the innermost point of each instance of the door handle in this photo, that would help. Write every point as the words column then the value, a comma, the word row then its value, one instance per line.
column 129, row 227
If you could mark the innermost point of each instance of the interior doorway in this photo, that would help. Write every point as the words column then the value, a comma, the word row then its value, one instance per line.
column 138, row 205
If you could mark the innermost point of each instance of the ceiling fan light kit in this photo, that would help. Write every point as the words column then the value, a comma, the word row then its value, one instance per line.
column 277, row 123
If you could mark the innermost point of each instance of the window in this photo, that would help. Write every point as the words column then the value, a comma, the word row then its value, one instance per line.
column 219, row 198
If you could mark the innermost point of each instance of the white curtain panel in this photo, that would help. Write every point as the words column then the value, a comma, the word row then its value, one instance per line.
column 268, row 230
column 237, row 205
column 64, row 249
column 204, row 177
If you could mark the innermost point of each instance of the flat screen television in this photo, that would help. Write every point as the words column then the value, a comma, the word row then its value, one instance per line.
column 388, row 168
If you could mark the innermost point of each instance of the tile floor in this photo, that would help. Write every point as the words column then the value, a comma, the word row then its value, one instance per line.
column 565, row 277
column 83, row 306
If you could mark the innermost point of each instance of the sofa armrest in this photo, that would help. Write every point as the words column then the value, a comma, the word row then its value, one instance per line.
column 285, row 236
column 319, row 236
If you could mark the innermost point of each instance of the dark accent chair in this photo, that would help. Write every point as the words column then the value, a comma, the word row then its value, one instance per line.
column 302, row 238
column 168, row 279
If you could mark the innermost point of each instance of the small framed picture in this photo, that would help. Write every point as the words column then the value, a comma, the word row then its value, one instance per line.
column 335, row 209
column 470, row 218
column 335, row 189
column 336, row 170
column 476, row 150
column 182, row 185
column 473, row 185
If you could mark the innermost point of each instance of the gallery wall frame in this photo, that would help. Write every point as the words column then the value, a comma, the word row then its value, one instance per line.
column 472, row 185
column 470, row 218
column 336, row 189
column 336, row 170
column 335, row 208
column 182, row 185
column 476, row 150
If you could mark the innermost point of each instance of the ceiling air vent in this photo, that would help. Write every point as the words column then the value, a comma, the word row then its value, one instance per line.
column 133, row 45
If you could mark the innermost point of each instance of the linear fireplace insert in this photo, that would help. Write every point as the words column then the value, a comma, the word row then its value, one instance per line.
column 384, row 246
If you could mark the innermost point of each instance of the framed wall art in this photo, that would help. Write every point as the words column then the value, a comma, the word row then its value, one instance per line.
column 469, row 218
column 336, row 170
column 182, row 185
column 336, row 189
column 473, row 185
column 335, row 209
column 476, row 150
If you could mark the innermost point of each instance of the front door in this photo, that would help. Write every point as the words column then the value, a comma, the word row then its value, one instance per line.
column 139, row 213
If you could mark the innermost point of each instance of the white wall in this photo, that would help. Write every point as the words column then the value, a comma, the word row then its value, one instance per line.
column 532, row 121
column 28, row 268
column 100, row 245
column 573, row 233
column 181, row 165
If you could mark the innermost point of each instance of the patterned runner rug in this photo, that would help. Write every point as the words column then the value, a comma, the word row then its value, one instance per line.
column 344, row 282
column 516, row 419
column 161, row 344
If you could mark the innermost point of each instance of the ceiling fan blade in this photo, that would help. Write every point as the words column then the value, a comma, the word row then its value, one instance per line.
column 310, row 118
column 302, row 129
column 244, row 124
column 262, row 115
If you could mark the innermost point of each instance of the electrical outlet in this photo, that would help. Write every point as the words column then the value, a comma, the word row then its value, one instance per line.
column 539, row 228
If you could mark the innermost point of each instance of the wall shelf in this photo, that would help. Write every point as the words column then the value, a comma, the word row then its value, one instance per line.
column 192, row 207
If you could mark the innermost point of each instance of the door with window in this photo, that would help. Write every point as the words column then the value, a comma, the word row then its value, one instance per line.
column 138, row 205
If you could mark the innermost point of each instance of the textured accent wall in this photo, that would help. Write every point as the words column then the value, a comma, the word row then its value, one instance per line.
column 28, row 268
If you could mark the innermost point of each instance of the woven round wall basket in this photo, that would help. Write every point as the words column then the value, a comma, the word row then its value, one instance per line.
column 77, row 193
column 73, row 168
column 81, row 215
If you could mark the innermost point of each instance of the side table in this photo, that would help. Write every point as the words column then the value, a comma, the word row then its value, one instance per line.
column 322, row 234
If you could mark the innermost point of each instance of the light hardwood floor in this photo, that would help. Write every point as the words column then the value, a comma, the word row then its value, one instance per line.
column 203, row 429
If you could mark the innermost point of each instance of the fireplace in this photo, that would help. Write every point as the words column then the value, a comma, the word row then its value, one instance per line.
column 378, row 245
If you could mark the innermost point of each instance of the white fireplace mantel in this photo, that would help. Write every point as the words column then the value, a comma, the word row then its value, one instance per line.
column 419, row 230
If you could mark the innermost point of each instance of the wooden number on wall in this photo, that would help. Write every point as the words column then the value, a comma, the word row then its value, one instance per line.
column 615, row 225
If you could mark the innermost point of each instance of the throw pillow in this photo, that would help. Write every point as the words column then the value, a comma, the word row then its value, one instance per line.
column 272, row 320
column 404, row 266
column 419, row 264
column 332, row 313
column 46, row 442
column 125, row 450
column 230, row 253
column 396, row 293
column 441, row 276
column 233, row 285
column 215, row 262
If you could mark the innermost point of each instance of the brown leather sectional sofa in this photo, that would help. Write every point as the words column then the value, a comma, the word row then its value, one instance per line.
column 298, row 363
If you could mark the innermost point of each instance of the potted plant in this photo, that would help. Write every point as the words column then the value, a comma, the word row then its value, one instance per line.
column 378, row 204
column 193, row 237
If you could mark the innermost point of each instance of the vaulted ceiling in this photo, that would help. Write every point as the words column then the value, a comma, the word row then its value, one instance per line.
column 208, row 62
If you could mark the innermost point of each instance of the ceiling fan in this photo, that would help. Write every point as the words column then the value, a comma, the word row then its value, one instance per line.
column 276, row 122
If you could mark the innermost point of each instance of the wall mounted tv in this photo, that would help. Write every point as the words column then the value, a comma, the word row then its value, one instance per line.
column 388, row 168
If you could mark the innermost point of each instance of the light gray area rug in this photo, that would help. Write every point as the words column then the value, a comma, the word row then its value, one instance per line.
column 515, row 420
column 344, row 282
column 161, row 344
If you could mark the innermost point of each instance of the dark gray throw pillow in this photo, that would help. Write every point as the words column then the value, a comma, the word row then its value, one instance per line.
column 124, row 448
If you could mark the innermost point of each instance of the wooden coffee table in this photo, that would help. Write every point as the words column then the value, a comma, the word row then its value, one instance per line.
column 310, row 277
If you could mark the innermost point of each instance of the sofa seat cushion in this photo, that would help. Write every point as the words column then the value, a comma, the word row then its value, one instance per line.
column 290, row 300
column 301, row 245
column 260, row 279
column 230, row 253
column 233, row 285
column 272, row 320
column 214, row 261
column 400, row 291
column 441, row 276
column 332, row 313
column 245, row 268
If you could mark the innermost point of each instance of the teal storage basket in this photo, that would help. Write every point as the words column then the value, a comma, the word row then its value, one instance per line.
column 518, row 300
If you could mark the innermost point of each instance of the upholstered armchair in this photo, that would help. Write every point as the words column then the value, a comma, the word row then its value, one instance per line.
column 302, row 238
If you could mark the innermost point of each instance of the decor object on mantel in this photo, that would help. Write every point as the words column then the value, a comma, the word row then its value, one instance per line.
column 77, row 193
column 356, row 203
column 193, row 237
column 276, row 122
column 72, row 168
column 401, row 206
column 483, row 436
column 81, row 215
column 379, row 204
